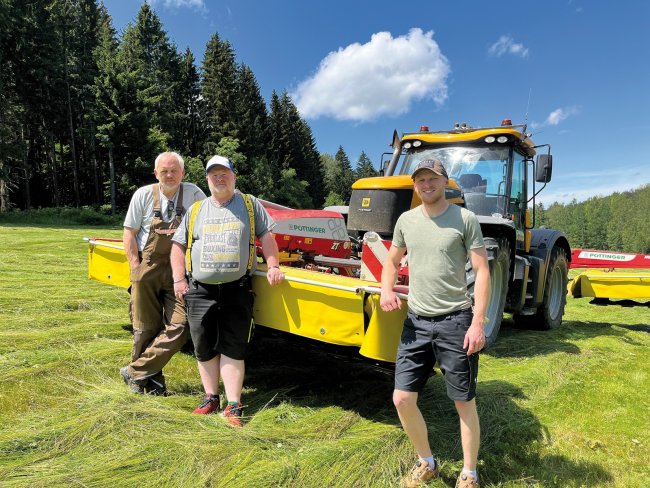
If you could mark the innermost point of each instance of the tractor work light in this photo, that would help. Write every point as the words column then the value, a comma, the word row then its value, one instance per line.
column 417, row 143
column 490, row 139
column 407, row 145
column 502, row 139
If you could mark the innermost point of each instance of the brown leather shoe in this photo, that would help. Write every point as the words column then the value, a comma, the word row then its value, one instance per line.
column 466, row 480
column 420, row 474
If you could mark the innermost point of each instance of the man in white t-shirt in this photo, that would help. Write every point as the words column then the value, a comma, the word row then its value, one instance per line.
column 217, row 286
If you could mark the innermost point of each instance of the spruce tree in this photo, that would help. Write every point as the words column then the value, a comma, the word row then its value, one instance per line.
column 347, row 175
column 189, row 98
column 218, row 91
column 252, row 117
column 365, row 168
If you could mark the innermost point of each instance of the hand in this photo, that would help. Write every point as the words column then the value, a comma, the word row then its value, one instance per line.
column 180, row 289
column 474, row 339
column 389, row 301
column 274, row 276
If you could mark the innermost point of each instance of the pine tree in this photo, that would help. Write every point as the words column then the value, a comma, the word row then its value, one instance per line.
column 347, row 175
column 218, row 90
column 189, row 99
column 36, row 73
column 252, row 118
column 331, row 172
column 365, row 168
column 11, row 147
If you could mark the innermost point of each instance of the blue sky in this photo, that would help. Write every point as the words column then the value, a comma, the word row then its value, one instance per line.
column 357, row 70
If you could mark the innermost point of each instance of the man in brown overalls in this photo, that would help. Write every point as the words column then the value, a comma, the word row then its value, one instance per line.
column 159, row 319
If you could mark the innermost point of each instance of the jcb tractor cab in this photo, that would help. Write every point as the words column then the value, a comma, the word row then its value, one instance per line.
column 488, row 174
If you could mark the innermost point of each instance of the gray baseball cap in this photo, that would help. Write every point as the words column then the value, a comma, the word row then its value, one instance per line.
column 434, row 165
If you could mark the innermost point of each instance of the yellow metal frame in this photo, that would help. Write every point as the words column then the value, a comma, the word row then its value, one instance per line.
column 471, row 135
column 610, row 284
column 324, row 307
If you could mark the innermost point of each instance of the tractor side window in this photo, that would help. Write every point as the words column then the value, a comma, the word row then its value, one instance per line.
column 518, row 191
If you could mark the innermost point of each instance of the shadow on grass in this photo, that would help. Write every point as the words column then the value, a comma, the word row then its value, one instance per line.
column 281, row 370
column 513, row 439
column 627, row 303
column 517, row 342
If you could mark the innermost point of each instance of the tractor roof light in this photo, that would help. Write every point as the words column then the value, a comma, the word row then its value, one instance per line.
column 502, row 139
column 490, row 139
column 424, row 128
column 506, row 122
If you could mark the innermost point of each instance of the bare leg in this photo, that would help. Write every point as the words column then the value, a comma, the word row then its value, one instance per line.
column 232, row 373
column 412, row 421
column 209, row 371
column 470, row 432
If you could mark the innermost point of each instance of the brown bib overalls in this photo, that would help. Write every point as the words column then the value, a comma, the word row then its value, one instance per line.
column 159, row 319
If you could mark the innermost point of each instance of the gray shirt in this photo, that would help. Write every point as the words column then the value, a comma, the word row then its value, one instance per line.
column 220, row 246
column 437, row 252
column 140, row 213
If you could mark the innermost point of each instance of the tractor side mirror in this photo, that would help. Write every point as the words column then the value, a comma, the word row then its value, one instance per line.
column 544, row 168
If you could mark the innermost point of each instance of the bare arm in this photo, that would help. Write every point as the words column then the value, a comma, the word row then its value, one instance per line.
column 274, row 275
column 389, row 300
column 475, row 336
column 131, row 247
column 177, row 261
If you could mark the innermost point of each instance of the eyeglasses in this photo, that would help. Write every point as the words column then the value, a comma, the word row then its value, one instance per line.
column 170, row 209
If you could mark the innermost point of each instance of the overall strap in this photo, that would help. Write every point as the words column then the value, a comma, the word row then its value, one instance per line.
column 251, row 243
column 194, row 210
column 155, row 190
column 180, row 210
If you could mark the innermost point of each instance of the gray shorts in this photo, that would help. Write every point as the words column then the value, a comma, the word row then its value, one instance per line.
column 427, row 340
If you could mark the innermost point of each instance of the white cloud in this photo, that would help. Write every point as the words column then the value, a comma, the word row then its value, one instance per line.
column 556, row 116
column 507, row 45
column 382, row 77
column 197, row 4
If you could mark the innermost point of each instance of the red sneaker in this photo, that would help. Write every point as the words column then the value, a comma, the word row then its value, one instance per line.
column 209, row 404
column 233, row 414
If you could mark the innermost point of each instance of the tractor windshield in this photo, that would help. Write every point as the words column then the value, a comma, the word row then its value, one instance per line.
column 480, row 173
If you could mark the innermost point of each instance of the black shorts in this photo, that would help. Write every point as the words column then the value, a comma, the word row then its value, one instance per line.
column 220, row 318
column 426, row 340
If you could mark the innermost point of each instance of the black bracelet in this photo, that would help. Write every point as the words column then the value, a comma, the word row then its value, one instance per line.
column 276, row 267
column 178, row 281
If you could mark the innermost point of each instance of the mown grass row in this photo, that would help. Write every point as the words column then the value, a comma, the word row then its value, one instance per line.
column 567, row 407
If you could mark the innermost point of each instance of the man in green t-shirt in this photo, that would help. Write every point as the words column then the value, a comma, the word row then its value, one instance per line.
column 440, row 325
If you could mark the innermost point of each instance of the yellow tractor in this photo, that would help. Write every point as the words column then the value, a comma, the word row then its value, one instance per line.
column 493, row 174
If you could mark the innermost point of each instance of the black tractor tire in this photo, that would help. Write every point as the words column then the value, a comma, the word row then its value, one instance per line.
column 550, row 312
column 499, row 263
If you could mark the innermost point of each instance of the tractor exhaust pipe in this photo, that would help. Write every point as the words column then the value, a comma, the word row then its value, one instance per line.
column 397, row 151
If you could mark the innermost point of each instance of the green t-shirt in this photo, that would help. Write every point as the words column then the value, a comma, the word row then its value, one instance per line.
column 437, row 252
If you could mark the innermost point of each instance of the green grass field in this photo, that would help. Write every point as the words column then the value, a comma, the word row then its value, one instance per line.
column 568, row 407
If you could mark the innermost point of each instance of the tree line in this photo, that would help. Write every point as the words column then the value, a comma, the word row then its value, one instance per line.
column 85, row 112
column 618, row 222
